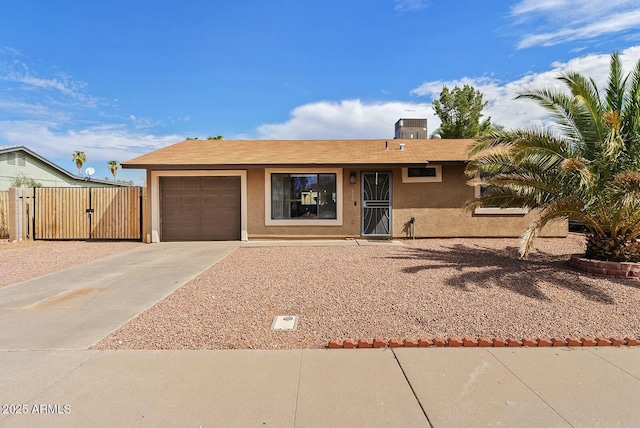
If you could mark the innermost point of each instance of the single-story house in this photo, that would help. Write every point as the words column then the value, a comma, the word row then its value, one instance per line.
column 298, row 189
column 19, row 161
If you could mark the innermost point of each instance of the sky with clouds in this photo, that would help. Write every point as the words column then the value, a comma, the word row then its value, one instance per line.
column 118, row 79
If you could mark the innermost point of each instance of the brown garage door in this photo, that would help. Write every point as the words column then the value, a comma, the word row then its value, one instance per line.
column 200, row 208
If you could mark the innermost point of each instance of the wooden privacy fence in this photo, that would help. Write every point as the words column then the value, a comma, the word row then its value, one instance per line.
column 78, row 213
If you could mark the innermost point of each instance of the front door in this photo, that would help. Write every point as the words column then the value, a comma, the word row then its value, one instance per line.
column 376, row 204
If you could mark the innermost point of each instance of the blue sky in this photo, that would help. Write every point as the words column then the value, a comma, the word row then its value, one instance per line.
column 118, row 79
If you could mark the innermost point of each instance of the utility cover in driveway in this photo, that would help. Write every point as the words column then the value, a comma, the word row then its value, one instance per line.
column 200, row 208
column 284, row 323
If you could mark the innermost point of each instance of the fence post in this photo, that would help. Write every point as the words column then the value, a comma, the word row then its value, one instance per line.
column 4, row 214
column 15, row 216
column 27, row 213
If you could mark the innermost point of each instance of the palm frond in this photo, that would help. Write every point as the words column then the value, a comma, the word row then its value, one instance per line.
column 586, row 106
column 560, row 106
column 501, row 197
column 489, row 141
column 625, row 188
column 616, row 88
column 631, row 114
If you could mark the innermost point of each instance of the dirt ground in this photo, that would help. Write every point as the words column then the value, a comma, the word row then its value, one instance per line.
column 20, row 261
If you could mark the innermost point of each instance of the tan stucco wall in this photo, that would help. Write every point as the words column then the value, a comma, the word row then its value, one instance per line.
column 256, row 217
column 436, row 207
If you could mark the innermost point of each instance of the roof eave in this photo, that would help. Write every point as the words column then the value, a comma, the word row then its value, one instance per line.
column 166, row 167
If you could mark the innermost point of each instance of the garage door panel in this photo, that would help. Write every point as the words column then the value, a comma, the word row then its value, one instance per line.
column 211, row 182
column 172, row 200
column 183, row 235
column 172, row 217
column 171, row 185
column 228, row 193
column 223, row 215
column 191, row 200
column 209, row 200
column 191, row 182
column 200, row 208
column 190, row 217
column 220, row 234
column 220, row 215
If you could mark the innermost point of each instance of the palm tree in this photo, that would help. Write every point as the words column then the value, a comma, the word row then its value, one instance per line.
column 79, row 158
column 113, row 167
column 586, row 167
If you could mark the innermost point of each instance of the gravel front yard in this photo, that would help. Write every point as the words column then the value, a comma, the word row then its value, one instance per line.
column 20, row 261
column 426, row 288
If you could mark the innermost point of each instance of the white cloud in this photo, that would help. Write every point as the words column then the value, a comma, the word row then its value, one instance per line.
column 511, row 113
column 143, row 122
column 550, row 22
column 12, row 107
column 408, row 5
column 8, row 50
column 348, row 119
column 101, row 142
column 58, row 89
column 54, row 114
column 64, row 85
column 357, row 119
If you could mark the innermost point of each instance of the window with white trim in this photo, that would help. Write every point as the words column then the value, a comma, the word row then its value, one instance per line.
column 303, row 197
column 425, row 174
column 494, row 209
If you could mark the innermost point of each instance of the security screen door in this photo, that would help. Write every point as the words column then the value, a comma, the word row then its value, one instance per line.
column 376, row 203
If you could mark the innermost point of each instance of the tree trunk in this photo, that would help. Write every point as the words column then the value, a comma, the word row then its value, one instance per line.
column 612, row 248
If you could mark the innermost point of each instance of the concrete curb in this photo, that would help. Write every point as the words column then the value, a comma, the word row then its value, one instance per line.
column 482, row 342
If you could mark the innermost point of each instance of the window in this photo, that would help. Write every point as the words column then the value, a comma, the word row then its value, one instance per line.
column 303, row 197
column 16, row 159
column 421, row 172
column 479, row 190
column 426, row 174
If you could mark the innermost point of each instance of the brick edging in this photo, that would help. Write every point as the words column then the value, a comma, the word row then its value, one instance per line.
column 482, row 342
column 597, row 267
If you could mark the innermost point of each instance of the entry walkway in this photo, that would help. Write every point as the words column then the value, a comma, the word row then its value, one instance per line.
column 76, row 307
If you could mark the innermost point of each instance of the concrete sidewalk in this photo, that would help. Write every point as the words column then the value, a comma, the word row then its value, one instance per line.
column 76, row 307
column 439, row 387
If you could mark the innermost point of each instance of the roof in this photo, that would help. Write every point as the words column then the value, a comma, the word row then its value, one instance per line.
column 212, row 154
column 10, row 149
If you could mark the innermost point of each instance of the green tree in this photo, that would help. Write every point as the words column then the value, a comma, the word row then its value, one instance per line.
column 583, row 168
column 113, row 167
column 21, row 180
column 460, row 111
column 217, row 137
column 79, row 158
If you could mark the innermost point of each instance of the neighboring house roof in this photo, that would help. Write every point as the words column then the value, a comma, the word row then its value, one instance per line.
column 207, row 154
column 10, row 149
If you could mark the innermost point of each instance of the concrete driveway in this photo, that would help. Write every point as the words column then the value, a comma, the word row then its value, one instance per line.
column 76, row 307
